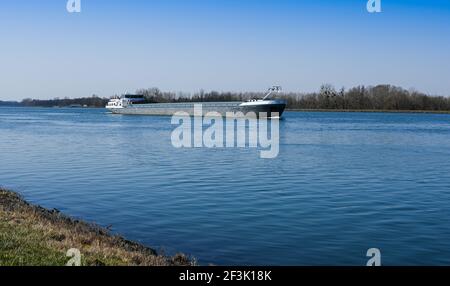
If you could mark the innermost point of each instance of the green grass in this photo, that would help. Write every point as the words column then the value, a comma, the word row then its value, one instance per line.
column 34, row 236
column 22, row 246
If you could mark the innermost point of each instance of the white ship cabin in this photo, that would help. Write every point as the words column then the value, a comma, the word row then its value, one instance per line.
column 125, row 100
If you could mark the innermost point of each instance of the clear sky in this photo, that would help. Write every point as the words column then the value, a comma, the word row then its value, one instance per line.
column 118, row 46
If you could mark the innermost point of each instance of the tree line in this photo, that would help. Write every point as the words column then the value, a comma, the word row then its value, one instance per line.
column 93, row 101
column 380, row 97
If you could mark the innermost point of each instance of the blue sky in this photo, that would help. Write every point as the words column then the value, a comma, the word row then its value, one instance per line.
column 113, row 46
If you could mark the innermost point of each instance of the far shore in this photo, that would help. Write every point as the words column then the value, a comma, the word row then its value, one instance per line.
column 370, row 111
column 287, row 109
column 34, row 236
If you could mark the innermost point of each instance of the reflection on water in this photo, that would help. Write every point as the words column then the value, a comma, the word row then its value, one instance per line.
column 341, row 184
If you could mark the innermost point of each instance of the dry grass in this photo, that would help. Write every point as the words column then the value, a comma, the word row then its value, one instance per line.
column 32, row 235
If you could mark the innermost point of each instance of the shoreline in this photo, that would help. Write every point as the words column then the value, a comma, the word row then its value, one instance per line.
column 372, row 111
column 31, row 235
column 287, row 109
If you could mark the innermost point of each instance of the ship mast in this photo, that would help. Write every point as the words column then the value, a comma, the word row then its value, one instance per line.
column 275, row 88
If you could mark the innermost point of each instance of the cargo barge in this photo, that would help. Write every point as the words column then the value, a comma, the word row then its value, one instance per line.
column 265, row 107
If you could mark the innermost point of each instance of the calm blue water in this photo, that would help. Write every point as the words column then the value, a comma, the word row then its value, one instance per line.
column 343, row 183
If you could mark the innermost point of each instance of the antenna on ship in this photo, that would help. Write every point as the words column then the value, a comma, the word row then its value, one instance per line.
column 275, row 88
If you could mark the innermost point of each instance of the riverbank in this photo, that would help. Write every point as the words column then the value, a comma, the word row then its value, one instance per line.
column 371, row 111
column 34, row 236
column 287, row 109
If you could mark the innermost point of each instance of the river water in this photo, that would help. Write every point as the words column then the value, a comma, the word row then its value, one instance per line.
column 341, row 184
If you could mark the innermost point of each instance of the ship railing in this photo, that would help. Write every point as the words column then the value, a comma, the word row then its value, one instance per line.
column 186, row 105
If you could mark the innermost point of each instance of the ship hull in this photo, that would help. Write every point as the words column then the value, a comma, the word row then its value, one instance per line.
column 274, row 108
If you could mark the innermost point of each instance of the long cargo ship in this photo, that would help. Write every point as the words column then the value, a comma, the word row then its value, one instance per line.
column 264, row 107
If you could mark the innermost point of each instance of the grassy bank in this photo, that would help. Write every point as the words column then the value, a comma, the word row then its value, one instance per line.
column 32, row 235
